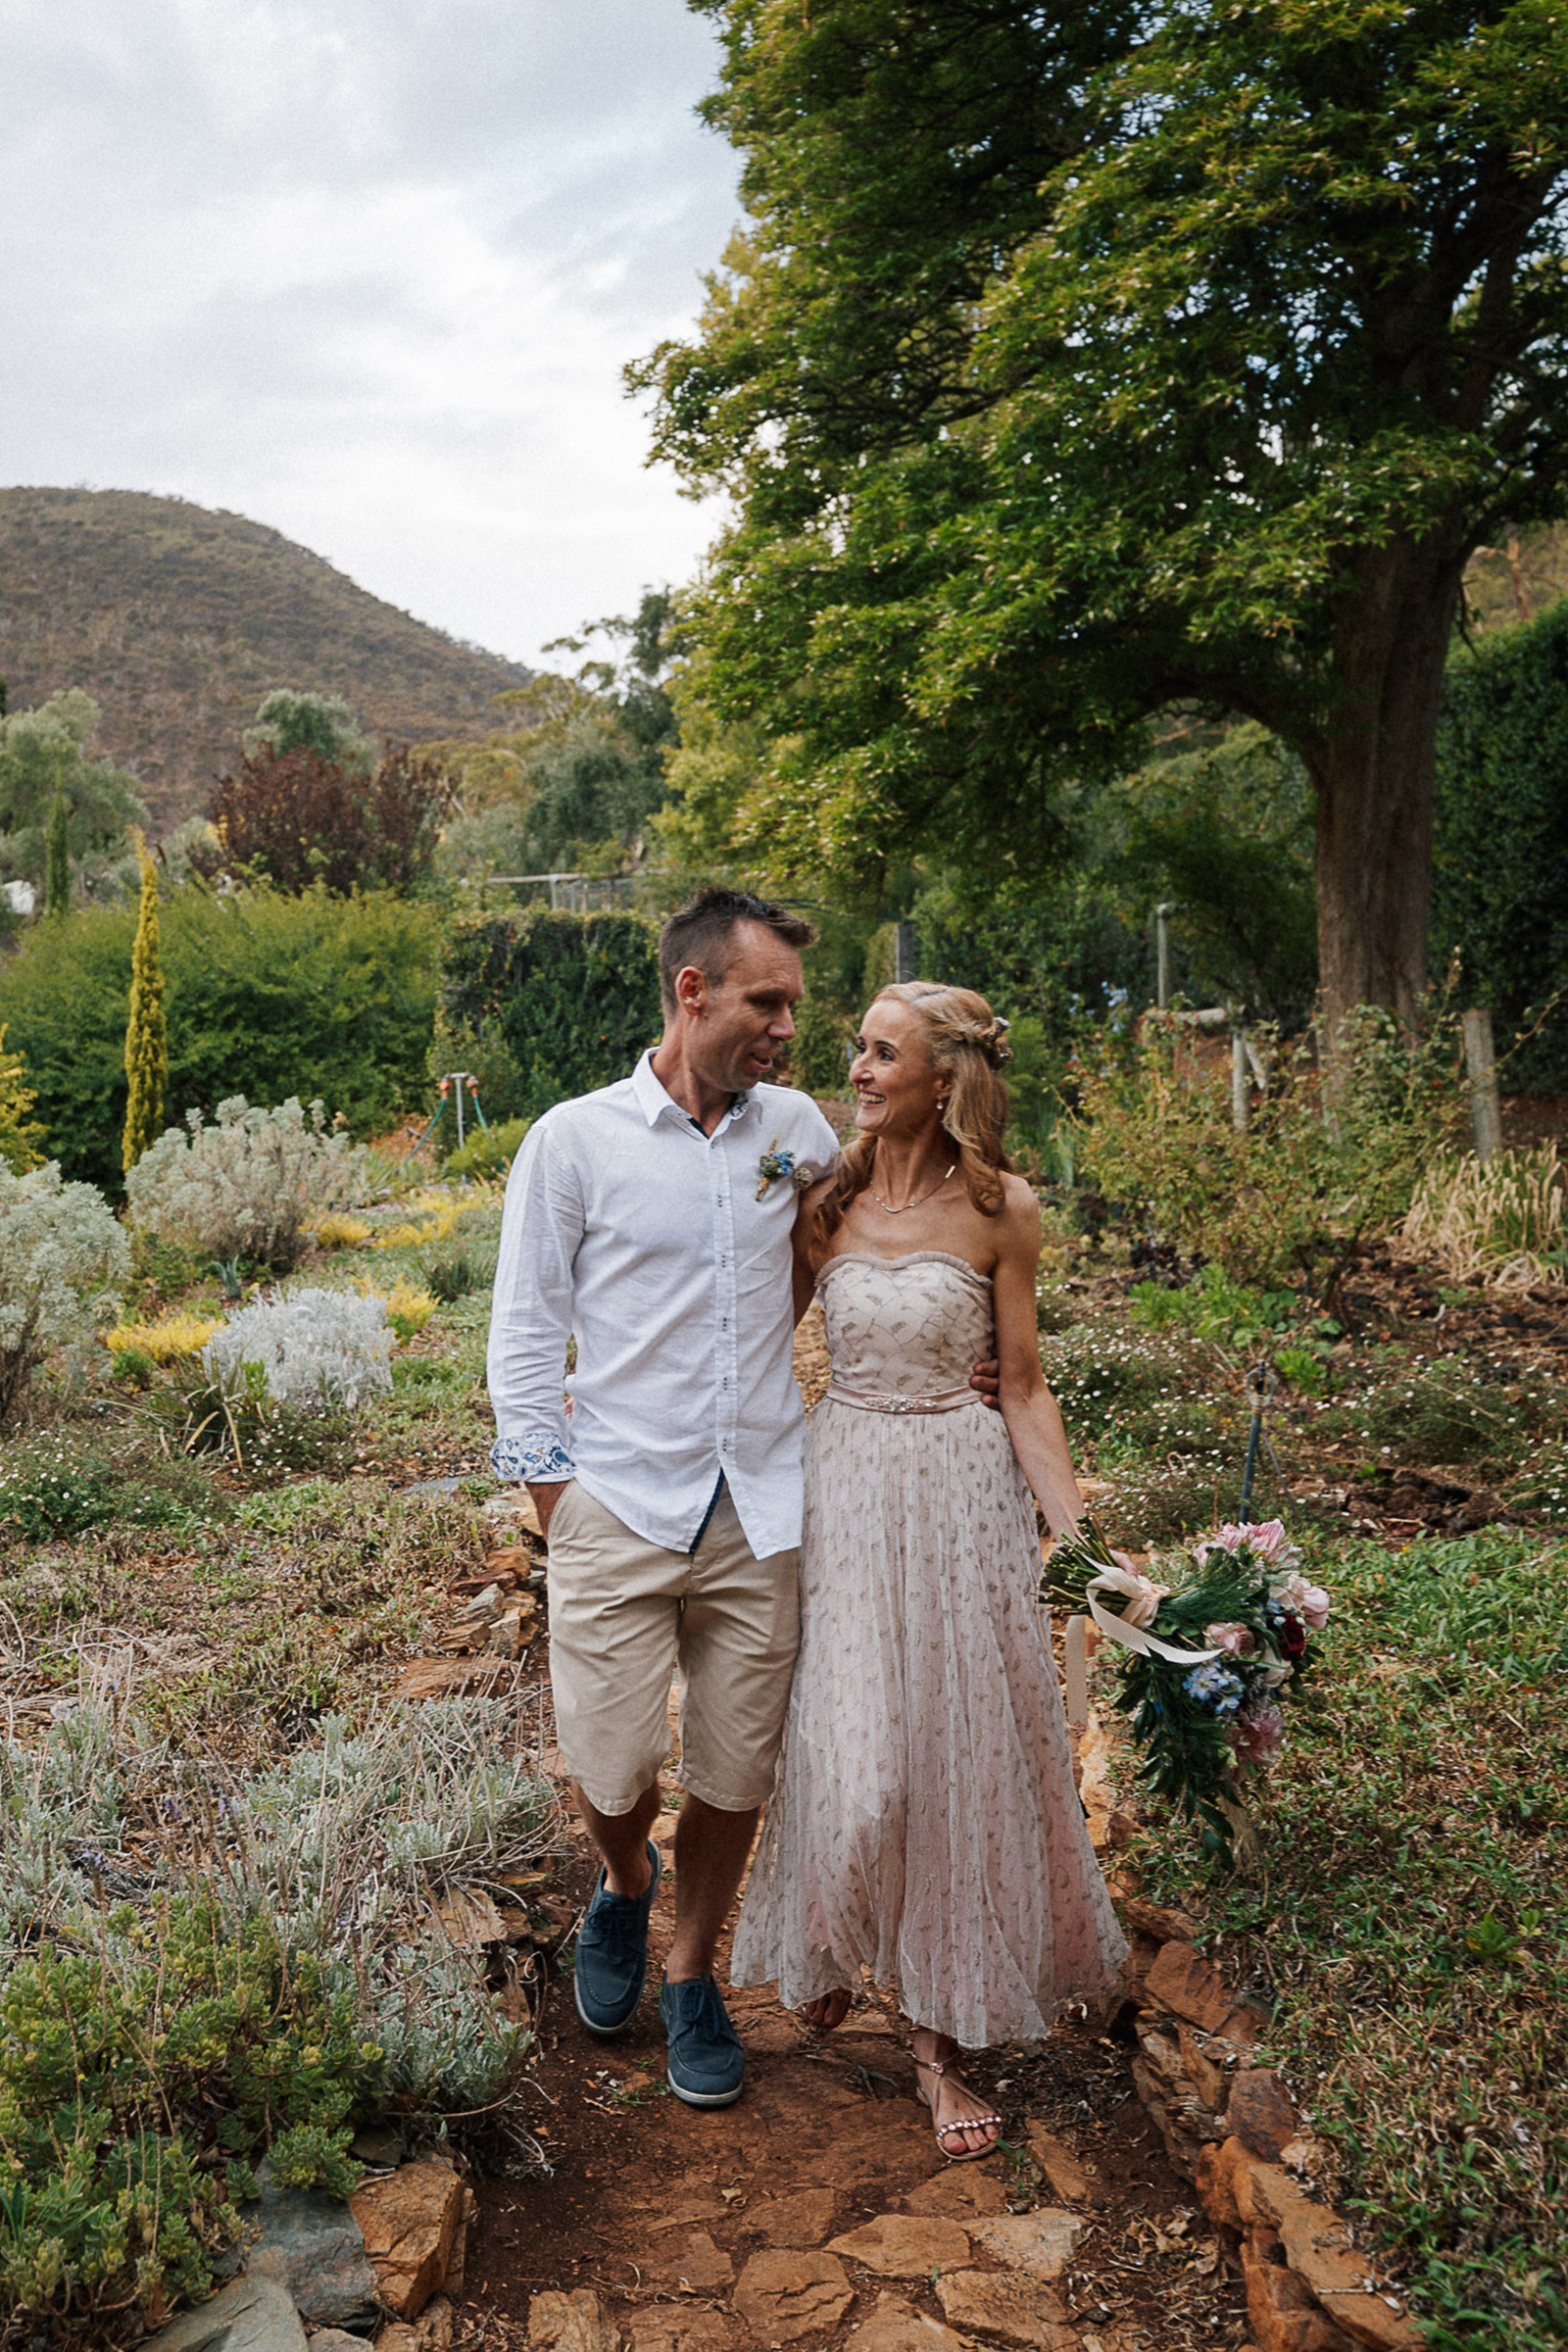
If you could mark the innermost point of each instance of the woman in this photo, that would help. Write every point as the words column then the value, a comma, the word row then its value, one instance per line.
column 924, row 1823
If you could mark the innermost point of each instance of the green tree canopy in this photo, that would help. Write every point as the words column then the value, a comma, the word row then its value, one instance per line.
column 1079, row 363
column 288, row 722
column 45, row 751
column 575, row 783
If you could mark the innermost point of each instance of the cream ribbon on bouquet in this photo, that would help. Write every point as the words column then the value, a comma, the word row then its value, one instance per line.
column 1129, row 1626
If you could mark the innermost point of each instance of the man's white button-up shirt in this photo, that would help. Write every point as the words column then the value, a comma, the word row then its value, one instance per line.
column 631, row 1231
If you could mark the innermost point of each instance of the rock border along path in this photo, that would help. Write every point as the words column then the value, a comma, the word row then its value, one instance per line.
column 1153, row 2192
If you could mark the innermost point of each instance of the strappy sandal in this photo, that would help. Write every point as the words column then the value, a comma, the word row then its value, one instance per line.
column 968, row 2122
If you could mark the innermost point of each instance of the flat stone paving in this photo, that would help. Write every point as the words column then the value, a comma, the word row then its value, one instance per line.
column 817, row 2212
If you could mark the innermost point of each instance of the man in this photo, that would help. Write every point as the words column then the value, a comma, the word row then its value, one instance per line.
column 652, row 1221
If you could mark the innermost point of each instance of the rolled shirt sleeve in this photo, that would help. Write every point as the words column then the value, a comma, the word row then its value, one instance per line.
column 541, row 1229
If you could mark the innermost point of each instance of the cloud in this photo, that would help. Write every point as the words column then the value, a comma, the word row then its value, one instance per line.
column 367, row 270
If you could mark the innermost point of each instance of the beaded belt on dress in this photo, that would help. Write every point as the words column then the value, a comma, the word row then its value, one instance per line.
column 948, row 1401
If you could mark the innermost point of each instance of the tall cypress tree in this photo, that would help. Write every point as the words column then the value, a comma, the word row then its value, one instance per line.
column 146, row 1032
column 57, row 861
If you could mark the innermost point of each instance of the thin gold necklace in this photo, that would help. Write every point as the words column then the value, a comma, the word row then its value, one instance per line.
column 888, row 1208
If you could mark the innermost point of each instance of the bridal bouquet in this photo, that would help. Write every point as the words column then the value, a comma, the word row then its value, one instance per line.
column 1206, row 1659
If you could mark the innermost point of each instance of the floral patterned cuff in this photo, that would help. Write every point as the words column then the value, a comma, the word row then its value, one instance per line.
column 539, row 1459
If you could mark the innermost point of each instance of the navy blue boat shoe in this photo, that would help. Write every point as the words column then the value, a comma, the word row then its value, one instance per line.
column 707, row 2063
column 612, row 1962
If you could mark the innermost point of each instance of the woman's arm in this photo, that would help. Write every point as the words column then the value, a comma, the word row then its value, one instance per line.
column 1028, row 1407
column 803, row 1268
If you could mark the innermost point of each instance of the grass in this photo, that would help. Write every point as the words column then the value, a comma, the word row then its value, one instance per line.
column 1406, row 1918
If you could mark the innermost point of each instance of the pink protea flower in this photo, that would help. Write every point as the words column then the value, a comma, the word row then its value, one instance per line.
column 1314, row 1605
column 1307, row 1601
column 1257, row 1731
column 1238, row 1640
column 1261, row 1539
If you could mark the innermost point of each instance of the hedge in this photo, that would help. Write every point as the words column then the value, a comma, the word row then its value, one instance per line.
column 266, row 997
column 1501, row 877
column 541, row 1006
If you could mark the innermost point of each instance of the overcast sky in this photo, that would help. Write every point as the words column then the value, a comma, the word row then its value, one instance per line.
column 367, row 270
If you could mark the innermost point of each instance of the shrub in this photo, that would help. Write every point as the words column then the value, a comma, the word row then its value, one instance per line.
column 437, row 1214
column 297, row 820
column 202, row 1413
column 20, row 1138
column 407, row 1307
column 1451, row 1409
column 335, row 1230
column 167, row 1343
column 1329, row 1160
column 1112, row 1381
column 452, row 1279
column 1502, row 1218
column 819, row 1057
column 146, row 1030
column 490, row 1152
column 1213, row 1306
column 1500, row 885
column 248, row 1186
column 54, row 1489
column 59, row 1250
column 316, row 1350
column 543, row 1005
column 51, row 1502
column 266, row 996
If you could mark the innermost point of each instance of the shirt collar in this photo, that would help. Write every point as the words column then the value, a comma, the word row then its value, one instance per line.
column 653, row 1099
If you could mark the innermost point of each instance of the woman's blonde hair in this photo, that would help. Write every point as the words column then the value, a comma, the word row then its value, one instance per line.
column 968, row 1046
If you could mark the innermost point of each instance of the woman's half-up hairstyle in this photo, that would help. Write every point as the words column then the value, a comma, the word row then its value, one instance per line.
column 968, row 1045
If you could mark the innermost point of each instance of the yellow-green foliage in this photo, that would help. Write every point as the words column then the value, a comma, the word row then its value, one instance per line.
column 19, row 1137
column 408, row 1307
column 438, row 1213
column 146, row 1031
column 335, row 1230
column 1503, row 1220
column 165, row 1342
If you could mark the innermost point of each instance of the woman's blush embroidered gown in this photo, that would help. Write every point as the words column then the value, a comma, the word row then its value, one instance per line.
column 923, row 1824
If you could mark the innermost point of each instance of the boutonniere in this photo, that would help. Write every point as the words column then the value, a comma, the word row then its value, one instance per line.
column 777, row 1166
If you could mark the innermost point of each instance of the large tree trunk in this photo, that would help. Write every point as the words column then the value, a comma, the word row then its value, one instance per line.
column 1373, row 768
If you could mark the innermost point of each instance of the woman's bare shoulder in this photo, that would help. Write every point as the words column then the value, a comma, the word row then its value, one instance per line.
column 1020, row 1206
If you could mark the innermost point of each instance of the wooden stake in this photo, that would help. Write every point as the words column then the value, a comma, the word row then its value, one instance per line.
column 1481, row 1060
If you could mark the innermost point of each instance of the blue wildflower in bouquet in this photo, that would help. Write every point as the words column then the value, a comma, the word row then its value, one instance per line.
column 1205, row 1660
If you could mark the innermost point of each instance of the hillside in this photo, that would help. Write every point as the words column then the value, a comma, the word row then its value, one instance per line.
column 178, row 619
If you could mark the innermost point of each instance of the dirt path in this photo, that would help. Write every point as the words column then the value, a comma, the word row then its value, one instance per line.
column 817, row 2211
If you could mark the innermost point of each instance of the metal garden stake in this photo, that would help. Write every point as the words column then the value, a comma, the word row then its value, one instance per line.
column 1258, row 1387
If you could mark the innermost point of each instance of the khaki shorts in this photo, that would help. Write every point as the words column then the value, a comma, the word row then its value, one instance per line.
column 625, row 1613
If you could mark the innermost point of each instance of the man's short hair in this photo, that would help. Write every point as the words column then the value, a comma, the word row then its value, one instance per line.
column 700, row 934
